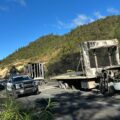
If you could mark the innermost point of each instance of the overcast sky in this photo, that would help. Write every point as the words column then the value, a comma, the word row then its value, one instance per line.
column 23, row 21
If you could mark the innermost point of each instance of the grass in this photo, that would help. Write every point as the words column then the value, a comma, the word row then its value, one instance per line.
column 12, row 110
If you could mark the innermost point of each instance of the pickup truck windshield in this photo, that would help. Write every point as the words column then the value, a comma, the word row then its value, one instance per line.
column 18, row 79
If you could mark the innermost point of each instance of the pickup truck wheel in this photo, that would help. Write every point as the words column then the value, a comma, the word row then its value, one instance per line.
column 36, row 92
column 15, row 95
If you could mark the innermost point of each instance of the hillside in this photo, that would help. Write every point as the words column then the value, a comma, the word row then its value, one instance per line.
column 61, row 53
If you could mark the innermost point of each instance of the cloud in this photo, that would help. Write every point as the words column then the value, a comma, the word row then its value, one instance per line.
column 98, row 15
column 62, row 25
column 113, row 11
column 79, row 20
column 21, row 2
column 4, row 8
column 82, row 19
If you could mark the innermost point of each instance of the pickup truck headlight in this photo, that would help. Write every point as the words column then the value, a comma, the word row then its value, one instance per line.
column 35, row 83
column 18, row 86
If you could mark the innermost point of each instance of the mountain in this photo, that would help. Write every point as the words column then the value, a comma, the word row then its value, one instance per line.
column 60, row 53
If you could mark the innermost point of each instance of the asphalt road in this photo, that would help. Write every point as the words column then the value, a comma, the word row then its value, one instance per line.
column 75, row 104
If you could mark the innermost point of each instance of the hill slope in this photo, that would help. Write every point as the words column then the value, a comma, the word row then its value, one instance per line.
column 62, row 52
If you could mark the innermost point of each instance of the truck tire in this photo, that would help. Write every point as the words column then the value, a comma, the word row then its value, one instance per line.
column 60, row 84
column 105, row 88
column 103, row 85
column 66, row 86
column 63, row 85
column 15, row 95
column 111, row 90
column 36, row 92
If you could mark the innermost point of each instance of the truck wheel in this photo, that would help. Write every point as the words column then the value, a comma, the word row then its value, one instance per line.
column 102, row 87
column 36, row 92
column 105, row 88
column 60, row 84
column 110, row 91
column 63, row 85
column 66, row 85
column 15, row 95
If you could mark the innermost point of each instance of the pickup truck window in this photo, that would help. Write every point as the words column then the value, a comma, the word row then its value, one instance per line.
column 19, row 79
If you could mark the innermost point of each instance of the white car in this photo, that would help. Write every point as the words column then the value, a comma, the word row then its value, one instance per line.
column 22, row 84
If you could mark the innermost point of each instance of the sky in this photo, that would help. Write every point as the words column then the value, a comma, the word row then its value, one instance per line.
column 23, row 21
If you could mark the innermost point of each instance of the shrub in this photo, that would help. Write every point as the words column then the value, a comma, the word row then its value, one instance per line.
column 11, row 110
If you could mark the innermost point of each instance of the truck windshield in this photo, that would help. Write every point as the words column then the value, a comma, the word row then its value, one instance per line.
column 102, row 55
column 21, row 78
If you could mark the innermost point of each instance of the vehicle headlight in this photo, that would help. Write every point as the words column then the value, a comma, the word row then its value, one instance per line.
column 35, row 83
column 18, row 86
column 21, row 85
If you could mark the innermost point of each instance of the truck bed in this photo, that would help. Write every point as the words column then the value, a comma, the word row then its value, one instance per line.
column 71, row 76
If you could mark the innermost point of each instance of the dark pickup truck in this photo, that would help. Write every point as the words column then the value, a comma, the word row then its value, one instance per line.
column 22, row 84
column 2, row 84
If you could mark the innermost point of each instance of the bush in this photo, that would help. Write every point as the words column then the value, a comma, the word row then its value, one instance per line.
column 11, row 110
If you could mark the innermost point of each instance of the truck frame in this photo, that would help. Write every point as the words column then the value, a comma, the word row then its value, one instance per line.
column 36, row 71
column 100, row 66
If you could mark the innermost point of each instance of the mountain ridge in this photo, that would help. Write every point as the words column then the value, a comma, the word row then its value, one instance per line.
column 58, row 52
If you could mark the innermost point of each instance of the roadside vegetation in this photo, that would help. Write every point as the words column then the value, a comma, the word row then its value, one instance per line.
column 12, row 110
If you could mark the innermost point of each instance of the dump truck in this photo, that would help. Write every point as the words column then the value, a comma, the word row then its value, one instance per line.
column 100, row 67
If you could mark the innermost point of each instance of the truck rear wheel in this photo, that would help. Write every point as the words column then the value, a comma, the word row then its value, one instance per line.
column 60, row 84
column 63, row 85
column 105, row 88
column 111, row 90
